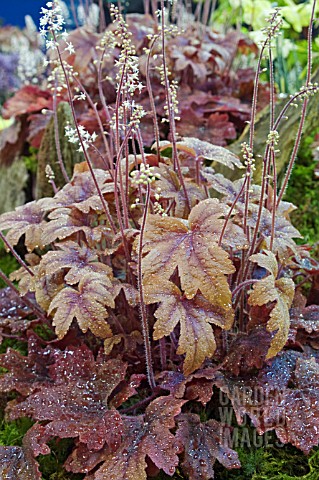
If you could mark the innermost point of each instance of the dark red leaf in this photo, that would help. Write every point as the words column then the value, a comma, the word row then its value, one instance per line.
column 283, row 397
column 128, row 390
column 83, row 460
column 217, row 128
column 29, row 99
column 203, row 444
column 150, row 436
column 84, row 42
column 26, row 374
column 18, row 463
column 75, row 403
column 13, row 312
column 38, row 123
column 248, row 351
column 305, row 318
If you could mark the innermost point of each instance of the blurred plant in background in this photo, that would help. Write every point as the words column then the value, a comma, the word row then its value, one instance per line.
column 290, row 54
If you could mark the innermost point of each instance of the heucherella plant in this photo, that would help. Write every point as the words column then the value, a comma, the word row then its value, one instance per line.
column 151, row 287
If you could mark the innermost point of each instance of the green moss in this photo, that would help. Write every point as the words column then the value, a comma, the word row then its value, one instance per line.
column 288, row 463
column 7, row 263
column 12, row 433
column 44, row 332
column 30, row 160
column 20, row 346
column 51, row 466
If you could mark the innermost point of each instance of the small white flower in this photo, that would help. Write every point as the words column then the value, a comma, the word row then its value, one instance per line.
column 64, row 35
column 43, row 32
column 139, row 87
column 69, row 48
column 50, row 44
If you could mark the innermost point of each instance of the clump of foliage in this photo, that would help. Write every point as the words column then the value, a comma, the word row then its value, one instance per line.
column 154, row 291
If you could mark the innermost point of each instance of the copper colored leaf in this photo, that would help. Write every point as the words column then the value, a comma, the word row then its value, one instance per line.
column 79, row 260
column 149, row 436
column 66, row 221
column 81, row 191
column 25, row 220
column 87, row 304
column 208, row 151
column 171, row 188
column 197, row 339
column 192, row 247
column 280, row 291
column 203, row 444
column 46, row 286
column 266, row 260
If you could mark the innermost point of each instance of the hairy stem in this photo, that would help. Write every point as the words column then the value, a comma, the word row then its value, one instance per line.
column 57, row 136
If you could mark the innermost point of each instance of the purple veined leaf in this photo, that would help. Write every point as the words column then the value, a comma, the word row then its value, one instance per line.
column 87, row 304
column 200, row 148
column 80, row 260
column 25, row 220
column 81, row 192
column 171, row 188
column 193, row 248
